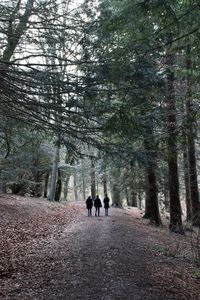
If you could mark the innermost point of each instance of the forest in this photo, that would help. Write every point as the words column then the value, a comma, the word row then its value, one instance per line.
column 99, row 97
column 102, row 96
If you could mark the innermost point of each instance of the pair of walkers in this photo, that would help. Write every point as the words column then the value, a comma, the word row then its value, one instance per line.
column 97, row 204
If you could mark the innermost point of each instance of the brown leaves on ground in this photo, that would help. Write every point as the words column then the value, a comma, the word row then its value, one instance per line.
column 177, row 265
column 53, row 251
column 25, row 223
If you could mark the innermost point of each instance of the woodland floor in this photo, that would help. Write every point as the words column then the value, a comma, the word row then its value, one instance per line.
column 54, row 251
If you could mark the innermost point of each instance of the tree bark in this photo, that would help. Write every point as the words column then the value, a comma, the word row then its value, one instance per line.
column 83, row 179
column 75, row 186
column 147, row 213
column 139, row 199
column 115, row 187
column 166, row 191
column 14, row 34
column 194, row 192
column 93, row 180
column 133, row 194
column 187, row 185
column 66, row 184
column 58, row 187
column 175, row 206
column 105, row 180
column 127, row 195
column 151, row 178
column 46, row 184
column 52, row 192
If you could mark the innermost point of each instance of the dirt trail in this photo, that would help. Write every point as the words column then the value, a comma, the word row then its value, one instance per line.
column 97, row 258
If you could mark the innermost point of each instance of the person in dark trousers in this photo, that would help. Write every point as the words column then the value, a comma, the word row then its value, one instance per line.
column 89, row 205
column 106, row 204
column 97, row 205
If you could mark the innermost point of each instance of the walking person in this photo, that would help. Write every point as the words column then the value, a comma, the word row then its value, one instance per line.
column 106, row 204
column 97, row 205
column 89, row 205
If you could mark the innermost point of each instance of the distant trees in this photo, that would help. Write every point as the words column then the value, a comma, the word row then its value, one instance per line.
column 23, row 169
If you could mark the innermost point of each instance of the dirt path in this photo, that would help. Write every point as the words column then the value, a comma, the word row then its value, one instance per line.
column 98, row 258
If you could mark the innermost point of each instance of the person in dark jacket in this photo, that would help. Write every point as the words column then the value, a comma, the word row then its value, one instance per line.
column 89, row 205
column 106, row 204
column 97, row 205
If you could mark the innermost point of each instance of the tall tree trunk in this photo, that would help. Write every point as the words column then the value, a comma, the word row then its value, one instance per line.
column 175, row 206
column 46, row 184
column 69, row 159
column 66, row 186
column 139, row 198
column 153, row 194
column 15, row 33
column 193, row 185
column 127, row 196
column 194, row 192
column 93, row 180
column 166, row 191
column 52, row 192
column 58, row 187
column 75, row 186
column 83, row 179
column 115, row 187
column 187, row 185
column 97, row 183
column 133, row 194
column 105, row 180
column 151, row 177
column 147, row 213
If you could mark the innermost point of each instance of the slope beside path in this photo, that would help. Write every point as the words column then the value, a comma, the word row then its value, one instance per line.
column 57, row 252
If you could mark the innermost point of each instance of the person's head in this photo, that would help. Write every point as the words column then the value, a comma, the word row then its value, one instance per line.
column 97, row 196
column 106, row 195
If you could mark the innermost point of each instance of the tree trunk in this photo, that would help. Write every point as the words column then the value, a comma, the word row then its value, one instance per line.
column 93, row 180
column 151, row 176
column 75, row 186
column 139, row 199
column 15, row 34
column 97, row 183
column 127, row 194
column 58, row 187
column 52, row 192
column 46, row 184
column 175, row 206
column 105, row 181
column 116, row 187
column 187, row 185
column 66, row 184
column 147, row 213
column 166, row 191
column 83, row 179
column 194, row 192
column 153, row 194
column 133, row 194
